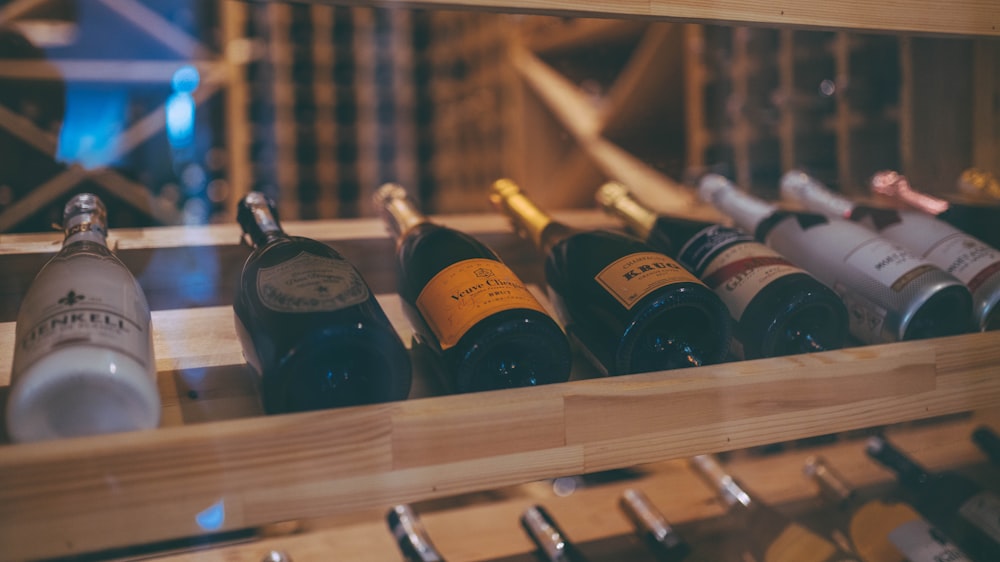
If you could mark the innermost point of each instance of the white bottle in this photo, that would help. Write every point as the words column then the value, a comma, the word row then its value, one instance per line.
column 969, row 259
column 83, row 357
column 891, row 294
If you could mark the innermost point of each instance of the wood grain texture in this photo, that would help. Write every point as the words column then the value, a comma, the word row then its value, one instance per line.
column 269, row 469
column 968, row 17
column 488, row 528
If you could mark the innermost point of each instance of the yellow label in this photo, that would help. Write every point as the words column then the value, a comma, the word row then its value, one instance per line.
column 631, row 278
column 798, row 544
column 464, row 293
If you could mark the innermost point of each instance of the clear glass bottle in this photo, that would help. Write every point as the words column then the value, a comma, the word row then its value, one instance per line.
column 83, row 361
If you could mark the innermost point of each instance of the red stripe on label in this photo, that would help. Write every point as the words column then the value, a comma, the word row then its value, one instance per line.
column 983, row 275
column 730, row 270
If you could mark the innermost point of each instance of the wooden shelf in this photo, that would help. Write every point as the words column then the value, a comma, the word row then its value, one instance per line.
column 968, row 17
column 215, row 448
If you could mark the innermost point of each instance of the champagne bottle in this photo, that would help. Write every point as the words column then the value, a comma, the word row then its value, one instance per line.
column 552, row 543
column 979, row 184
column 83, row 356
column 881, row 530
column 988, row 441
column 970, row 260
column 973, row 217
column 481, row 322
column 957, row 506
column 411, row 536
column 767, row 535
column 652, row 526
column 630, row 308
column 778, row 308
column 309, row 324
column 890, row 294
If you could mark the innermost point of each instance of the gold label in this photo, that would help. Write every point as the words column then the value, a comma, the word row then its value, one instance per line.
column 464, row 293
column 634, row 276
column 796, row 543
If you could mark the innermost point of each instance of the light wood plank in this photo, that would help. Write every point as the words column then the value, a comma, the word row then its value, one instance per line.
column 489, row 529
column 307, row 465
column 970, row 17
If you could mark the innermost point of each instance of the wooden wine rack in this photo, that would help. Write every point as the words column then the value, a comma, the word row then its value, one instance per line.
column 215, row 450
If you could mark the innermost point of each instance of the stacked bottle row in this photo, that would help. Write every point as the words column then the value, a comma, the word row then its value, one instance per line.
column 669, row 295
column 932, row 517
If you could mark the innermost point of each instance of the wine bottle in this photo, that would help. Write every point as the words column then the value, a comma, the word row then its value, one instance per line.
column 309, row 324
column 977, row 218
column 890, row 294
column 970, row 260
column 411, row 536
column 652, row 526
column 962, row 509
column 630, row 308
column 83, row 357
column 778, row 308
column 988, row 441
column 766, row 534
column 881, row 530
column 979, row 184
column 552, row 543
column 480, row 321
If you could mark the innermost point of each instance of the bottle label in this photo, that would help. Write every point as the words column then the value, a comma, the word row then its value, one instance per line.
column 966, row 258
column 796, row 543
column 887, row 263
column 310, row 283
column 919, row 542
column 983, row 511
column 634, row 276
column 90, row 301
column 466, row 292
column 733, row 265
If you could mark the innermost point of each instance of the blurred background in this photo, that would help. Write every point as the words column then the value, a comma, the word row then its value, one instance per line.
column 172, row 110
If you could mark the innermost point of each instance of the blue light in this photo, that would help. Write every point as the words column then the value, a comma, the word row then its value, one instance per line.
column 180, row 110
column 91, row 130
column 185, row 79
column 213, row 517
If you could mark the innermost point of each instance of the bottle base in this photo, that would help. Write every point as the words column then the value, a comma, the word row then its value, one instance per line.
column 75, row 392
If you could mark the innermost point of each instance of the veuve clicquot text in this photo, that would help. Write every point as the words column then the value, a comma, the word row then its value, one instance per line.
column 972, row 261
column 767, row 535
column 410, row 535
column 309, row 324
column 890, row 293
column 471, row 310
column 881, row 529
column 962, row 509
column 83, row 355
column 631, row 309
column 778, row 308
column 976, row 217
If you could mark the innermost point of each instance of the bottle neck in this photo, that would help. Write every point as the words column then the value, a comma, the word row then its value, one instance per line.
column 398, row 211
column 799, row 186
column 908, row 472
column 85, row 219
column 258, row 217
column 834, row 487
column 616, row 200
column 528, row 219
column 895, row 186
column 746, row 210
column 729, row 490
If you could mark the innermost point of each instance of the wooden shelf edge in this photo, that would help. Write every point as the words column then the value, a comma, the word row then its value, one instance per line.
column 149, row 486
column 961, row 17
